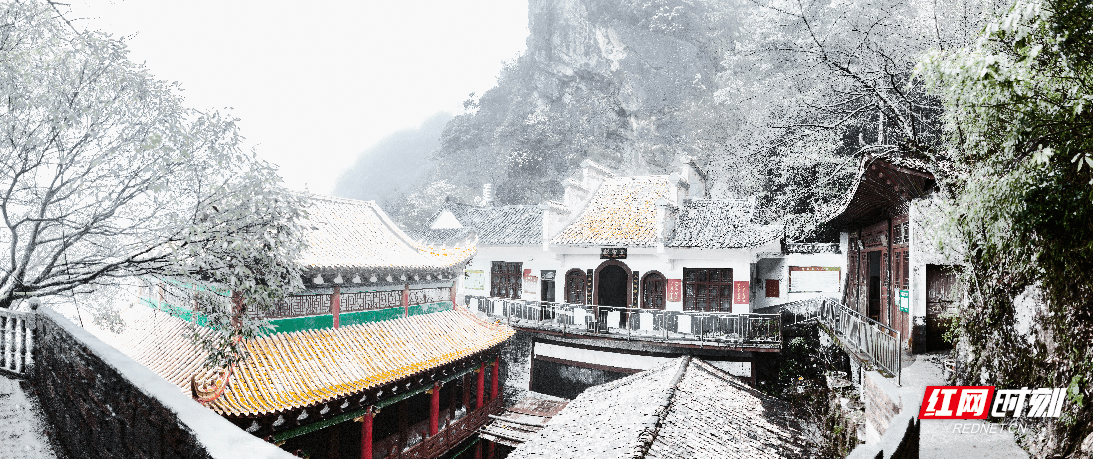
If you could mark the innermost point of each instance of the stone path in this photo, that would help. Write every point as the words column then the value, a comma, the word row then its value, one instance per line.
column 951, row 437
column 21, row 424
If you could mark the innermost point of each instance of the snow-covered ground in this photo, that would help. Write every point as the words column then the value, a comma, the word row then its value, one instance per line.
column 22, row 423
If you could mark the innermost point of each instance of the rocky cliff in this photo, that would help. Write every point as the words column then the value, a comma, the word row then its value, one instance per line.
column 628, row 83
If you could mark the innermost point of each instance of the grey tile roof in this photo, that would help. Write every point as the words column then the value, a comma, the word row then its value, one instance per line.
column 495, row 225
column 684, row 408
column 352, row 234
column 621, row 212
column 719, row 224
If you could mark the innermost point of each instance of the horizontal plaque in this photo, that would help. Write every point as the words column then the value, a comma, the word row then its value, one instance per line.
column 612, row 253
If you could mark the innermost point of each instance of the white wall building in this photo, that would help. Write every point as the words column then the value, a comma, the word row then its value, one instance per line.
column 641, row 242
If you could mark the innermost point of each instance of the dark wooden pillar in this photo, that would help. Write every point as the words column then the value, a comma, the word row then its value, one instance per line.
column 466, row 395
column 366, row 434
column 403, row 425
column 495, row 378
column 336, row 304
column 481, row 385
column 434, row 409
column 452, row 401
column 334, row 445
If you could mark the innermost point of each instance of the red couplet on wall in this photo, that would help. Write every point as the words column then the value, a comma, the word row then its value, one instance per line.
column 675, row 290
column 740, row 294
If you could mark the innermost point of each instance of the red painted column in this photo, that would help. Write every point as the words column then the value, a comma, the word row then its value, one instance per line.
column 495, row 376
column 478, row 450
column 336, row 304
column 491, row 450
column 434, row 410
column 481, row 384
column 406, row 300
column 366, row 435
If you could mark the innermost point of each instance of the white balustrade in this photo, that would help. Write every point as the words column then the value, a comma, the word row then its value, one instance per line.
column 17, row 345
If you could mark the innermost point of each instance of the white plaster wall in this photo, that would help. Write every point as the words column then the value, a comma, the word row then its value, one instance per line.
column 670, row 263
column 931, row 243
column 778, row 268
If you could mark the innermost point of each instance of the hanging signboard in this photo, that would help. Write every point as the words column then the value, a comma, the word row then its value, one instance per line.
column 613, row 253
column 474, row 279
column 817, row 279
column 904, row 301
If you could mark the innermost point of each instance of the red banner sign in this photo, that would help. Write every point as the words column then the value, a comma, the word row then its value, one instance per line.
column 675, row 290
column 740, row 294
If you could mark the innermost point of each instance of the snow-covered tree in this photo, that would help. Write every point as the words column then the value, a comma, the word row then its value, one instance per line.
column 106, row 176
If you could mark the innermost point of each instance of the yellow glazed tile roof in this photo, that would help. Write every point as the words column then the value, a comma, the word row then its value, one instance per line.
column 347, row 233
column 622, row 212
column 292, row 370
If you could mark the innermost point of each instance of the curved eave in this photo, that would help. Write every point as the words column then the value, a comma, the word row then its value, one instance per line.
column 882, row 190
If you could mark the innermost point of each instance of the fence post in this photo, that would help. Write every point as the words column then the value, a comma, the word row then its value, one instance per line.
column 32, row 327
column 899, row 359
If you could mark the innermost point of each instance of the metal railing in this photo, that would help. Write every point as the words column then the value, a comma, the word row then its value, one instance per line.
column 879, row 342
column 758, row 330
column 17, row 341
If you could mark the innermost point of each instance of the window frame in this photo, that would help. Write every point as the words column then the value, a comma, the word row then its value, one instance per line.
column 699, row 281
column 577, row 287
column 659, row 292
column 510, row 277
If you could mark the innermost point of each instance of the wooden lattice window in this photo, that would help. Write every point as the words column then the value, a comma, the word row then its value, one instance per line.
column 707, row 289
column 574, row 286
column 505, row 279
column 653, row 287
column 906, row 270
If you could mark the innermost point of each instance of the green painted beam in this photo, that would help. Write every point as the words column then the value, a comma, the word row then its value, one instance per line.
column 316, row 322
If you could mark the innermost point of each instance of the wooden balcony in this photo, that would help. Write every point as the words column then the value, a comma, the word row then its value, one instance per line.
column 454, row 433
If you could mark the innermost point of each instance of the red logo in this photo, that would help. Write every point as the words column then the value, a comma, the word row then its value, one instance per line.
column 956, row 402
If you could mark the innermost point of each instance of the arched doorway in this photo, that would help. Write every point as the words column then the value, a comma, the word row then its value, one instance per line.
column 613, row 286
column 613, row 289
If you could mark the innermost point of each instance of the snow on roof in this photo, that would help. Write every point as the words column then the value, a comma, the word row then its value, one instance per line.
column 621, row 212
column 718, row 224
column 494, row 225
column 352, row 234
column 285, row 371
column 684, row 408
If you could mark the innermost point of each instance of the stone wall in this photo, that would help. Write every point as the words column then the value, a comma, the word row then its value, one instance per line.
column 882, row 404
column 102, row 404
column 516, row 367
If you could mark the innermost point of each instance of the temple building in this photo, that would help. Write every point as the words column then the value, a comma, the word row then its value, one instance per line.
column 371, row 360
column 626, row 273
column 650, row 242
column 897, row 273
